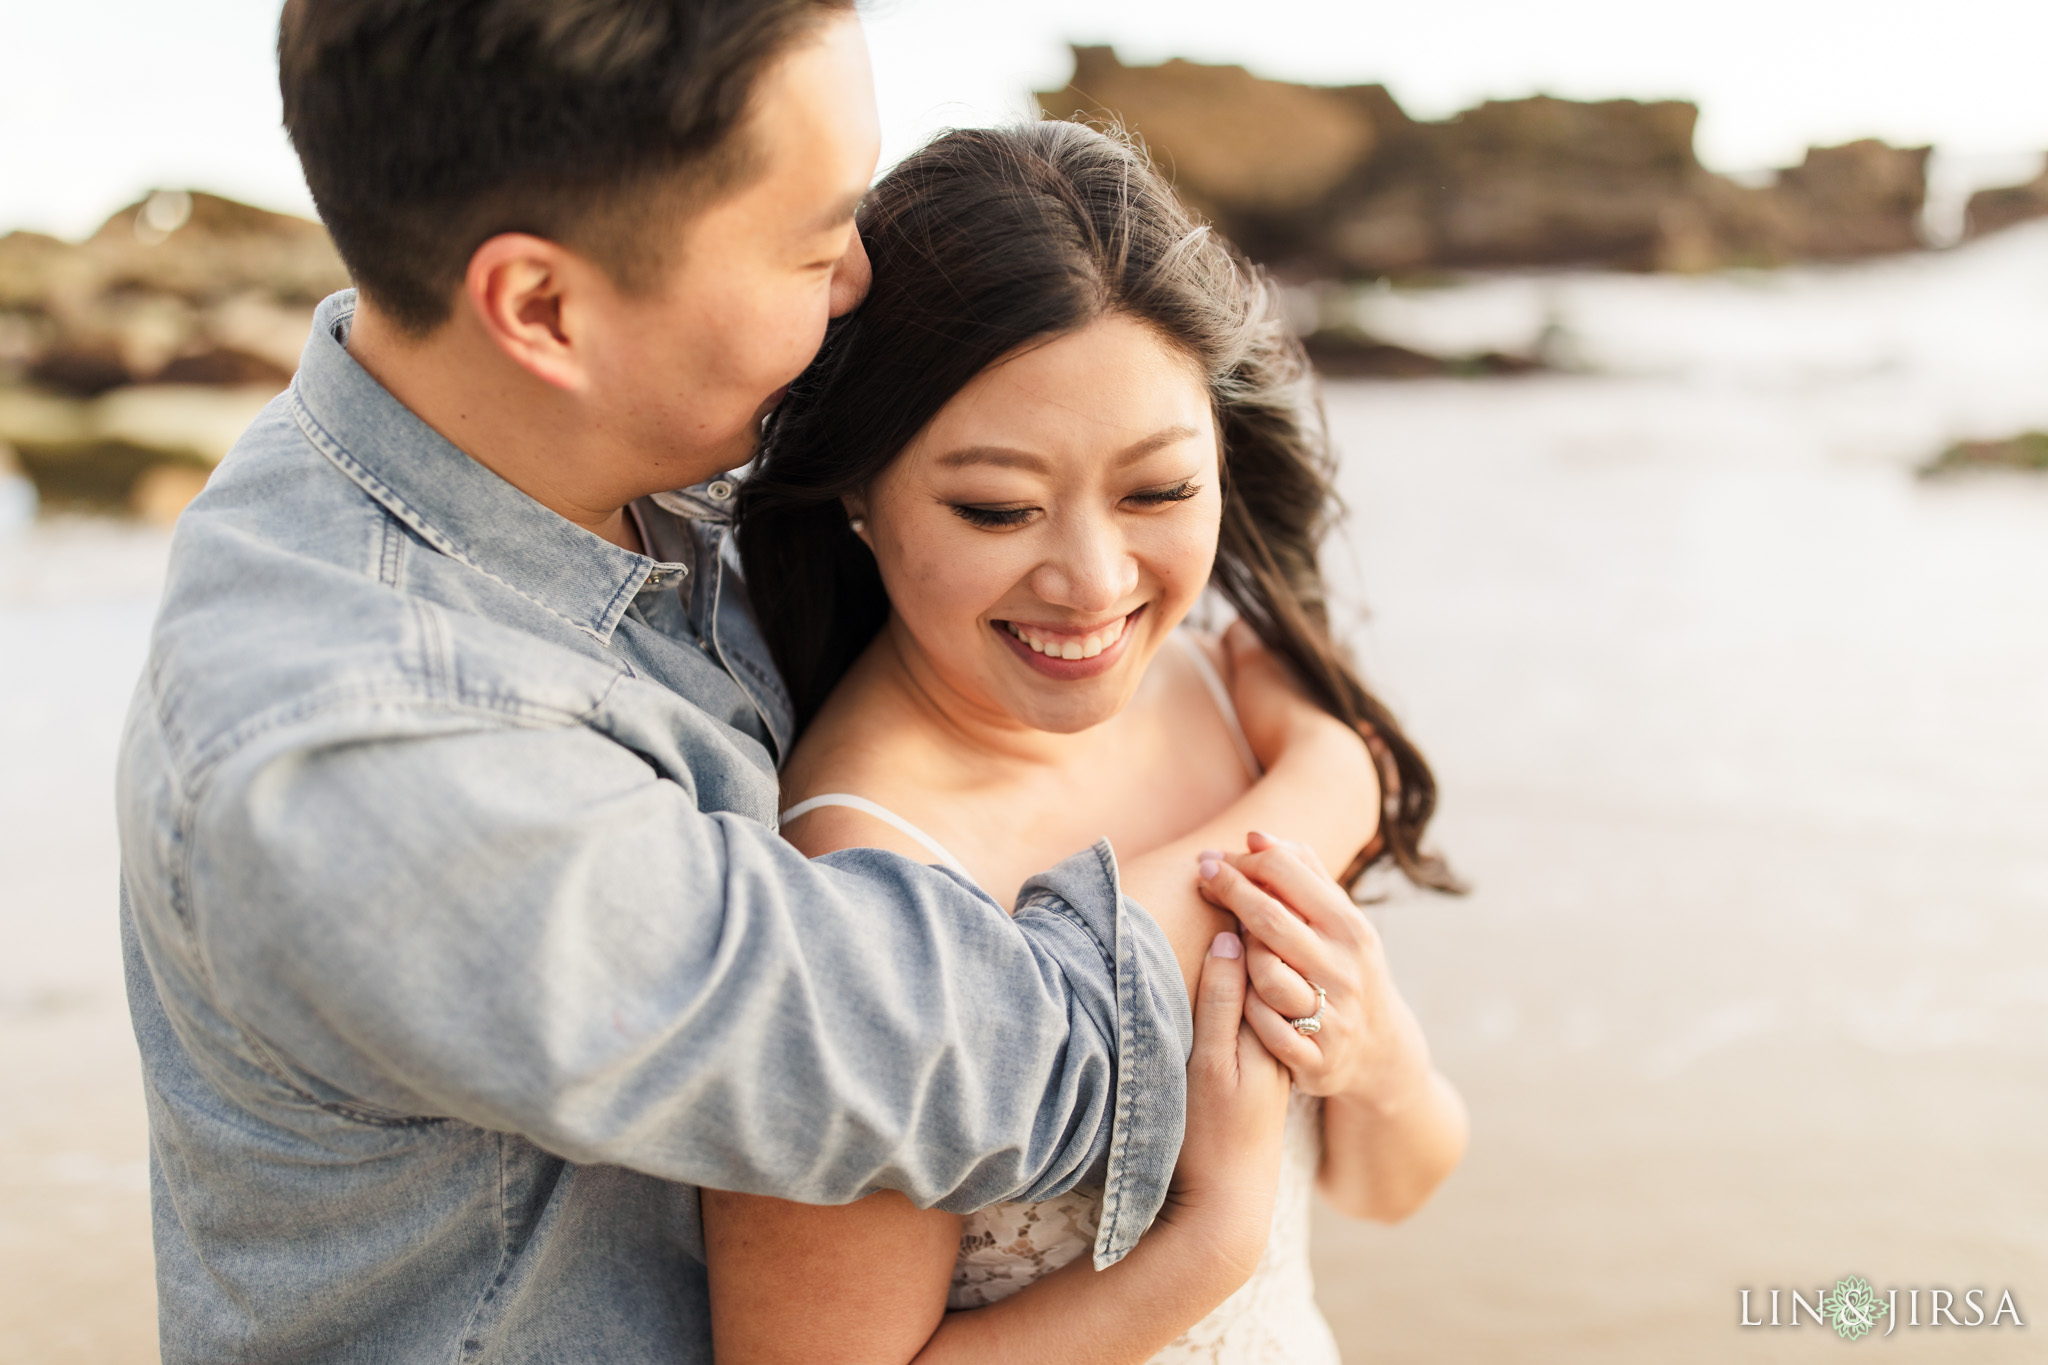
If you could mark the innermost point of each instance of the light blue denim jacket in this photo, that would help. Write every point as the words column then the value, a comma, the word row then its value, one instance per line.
column 461, row 946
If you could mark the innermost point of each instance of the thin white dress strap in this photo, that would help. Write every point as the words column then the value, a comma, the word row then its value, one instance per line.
column 1220, row 694
column 886, row 816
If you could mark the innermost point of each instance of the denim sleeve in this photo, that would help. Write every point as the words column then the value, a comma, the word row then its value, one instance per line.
column 529, row 931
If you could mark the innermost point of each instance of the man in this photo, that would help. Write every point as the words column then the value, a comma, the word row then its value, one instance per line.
column 460, row 944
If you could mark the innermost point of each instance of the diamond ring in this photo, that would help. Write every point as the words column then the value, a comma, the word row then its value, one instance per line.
column 1313, row 1023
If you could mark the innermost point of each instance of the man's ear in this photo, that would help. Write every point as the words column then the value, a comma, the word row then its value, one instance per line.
column 523, row 290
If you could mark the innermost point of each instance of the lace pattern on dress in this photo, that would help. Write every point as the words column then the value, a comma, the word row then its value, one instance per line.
column 1271, row 1320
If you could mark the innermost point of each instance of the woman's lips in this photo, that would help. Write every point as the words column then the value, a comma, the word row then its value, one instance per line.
column 1066, row 654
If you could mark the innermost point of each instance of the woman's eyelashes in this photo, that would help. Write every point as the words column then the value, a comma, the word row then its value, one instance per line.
column 1004, row 518
column 993, row 518
column 1157, row 497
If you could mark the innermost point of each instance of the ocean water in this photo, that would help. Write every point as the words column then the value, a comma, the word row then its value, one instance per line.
column 1741, row 736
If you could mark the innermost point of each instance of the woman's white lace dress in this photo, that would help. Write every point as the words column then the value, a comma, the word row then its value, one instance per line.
column 1272, row 1320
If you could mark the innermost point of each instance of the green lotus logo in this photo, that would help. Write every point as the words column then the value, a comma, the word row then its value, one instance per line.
column 1852, row 1307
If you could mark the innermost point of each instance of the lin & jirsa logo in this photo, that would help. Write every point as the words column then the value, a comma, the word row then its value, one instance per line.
column 1854, row 1308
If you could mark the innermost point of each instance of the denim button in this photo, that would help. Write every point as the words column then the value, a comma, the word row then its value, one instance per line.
column 718, row 490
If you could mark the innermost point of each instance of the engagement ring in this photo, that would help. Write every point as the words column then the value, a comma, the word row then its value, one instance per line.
column 1313, row 1023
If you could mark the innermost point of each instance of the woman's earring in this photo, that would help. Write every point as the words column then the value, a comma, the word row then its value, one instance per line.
column 857, row 525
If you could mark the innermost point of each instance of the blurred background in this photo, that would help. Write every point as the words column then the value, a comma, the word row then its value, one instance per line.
column 1689, row 371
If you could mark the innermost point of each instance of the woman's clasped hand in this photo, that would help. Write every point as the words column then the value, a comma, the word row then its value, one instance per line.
column 1221, row 1201
column 1324, row 1003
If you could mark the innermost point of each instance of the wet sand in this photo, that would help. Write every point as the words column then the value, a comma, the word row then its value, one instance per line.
column 75, row 1277
column 1742, row 742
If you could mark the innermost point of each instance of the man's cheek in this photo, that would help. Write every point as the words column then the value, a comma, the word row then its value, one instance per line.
column 804, row 350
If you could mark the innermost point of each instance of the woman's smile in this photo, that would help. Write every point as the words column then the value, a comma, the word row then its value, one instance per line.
column 1068, row 654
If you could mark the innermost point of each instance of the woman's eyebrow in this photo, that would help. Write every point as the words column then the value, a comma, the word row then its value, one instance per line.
column 1158, row 440
column 1007, row 457
column 1003, row 457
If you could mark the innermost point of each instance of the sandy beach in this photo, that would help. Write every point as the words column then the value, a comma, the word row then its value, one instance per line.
column 1740, row 734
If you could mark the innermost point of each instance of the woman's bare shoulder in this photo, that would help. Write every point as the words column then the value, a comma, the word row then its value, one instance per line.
column 848, row 737
column 857, row 746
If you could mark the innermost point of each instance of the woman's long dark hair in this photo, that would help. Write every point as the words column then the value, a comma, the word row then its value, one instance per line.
column 989, row 240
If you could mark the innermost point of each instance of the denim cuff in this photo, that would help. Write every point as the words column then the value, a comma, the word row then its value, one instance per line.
column 1154, row 1031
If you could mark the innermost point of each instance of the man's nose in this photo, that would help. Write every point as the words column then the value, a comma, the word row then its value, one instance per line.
column 851, row 277
column 1090, row 570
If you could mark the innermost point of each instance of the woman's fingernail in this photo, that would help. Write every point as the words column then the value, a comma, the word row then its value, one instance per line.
column 1218, row 854
column 1227, row 944
column 1209, row 867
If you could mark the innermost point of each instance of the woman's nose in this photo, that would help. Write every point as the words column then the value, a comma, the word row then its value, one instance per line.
column 1090, row 571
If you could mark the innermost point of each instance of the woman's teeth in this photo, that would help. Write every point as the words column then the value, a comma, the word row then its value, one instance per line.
column 1069, row 646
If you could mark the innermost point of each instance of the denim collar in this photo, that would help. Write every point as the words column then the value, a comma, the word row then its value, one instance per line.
column 448, row 499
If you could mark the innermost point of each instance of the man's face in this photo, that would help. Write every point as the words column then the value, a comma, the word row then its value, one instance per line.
column 688, row 369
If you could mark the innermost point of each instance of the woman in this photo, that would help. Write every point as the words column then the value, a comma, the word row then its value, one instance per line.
column 1064, row 412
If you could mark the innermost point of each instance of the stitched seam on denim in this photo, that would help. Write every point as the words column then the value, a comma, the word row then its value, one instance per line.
column 178, row 862
column 324, row 442
column 181, row 887
column 1130, row 1041
column 281, row 1072
column 1131, row 1037
column 467, row 1338
column 177, row 745
column 391, row 552
column 435, row 666
column 629, row 588
column 531, row 714
column 772, row 684
column 768, row 677
column 178, row 859
column 711, row 615
column 1112, row 1195
column 178, row 867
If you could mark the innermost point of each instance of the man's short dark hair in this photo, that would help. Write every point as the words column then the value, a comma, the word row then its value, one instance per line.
column 426, row 127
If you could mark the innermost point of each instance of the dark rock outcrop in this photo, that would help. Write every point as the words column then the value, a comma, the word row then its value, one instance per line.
column 1860, row 199
column 131, row 360
column 1340, row 181
column 176, row 276
column 2028, row 450
column 1345, row 354
column 1990, row 210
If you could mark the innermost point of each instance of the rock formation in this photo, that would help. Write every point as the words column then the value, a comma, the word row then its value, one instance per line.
column 1990, row 210
column 143, row 351
column 2028, row 450
column 1340, row 181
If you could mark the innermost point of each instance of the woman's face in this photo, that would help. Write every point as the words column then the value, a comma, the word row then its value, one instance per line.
column 1051, row 524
